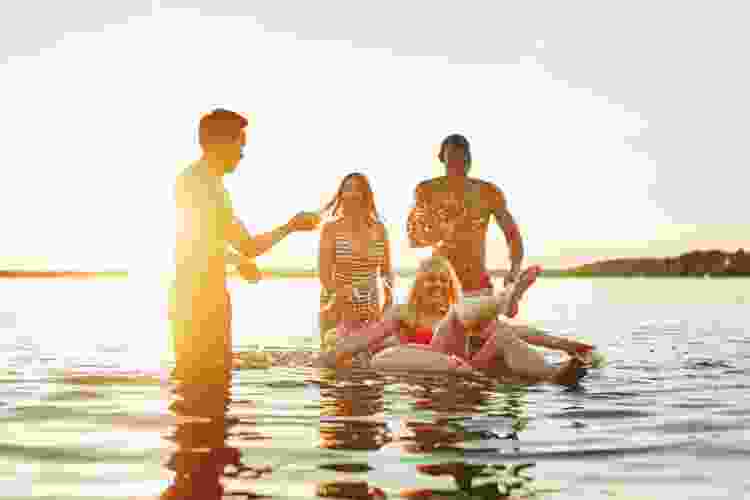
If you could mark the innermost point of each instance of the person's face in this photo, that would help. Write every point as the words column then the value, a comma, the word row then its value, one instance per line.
column 454, row 156
column 230, row 153
column 436, row 286
column 353, row 194
column 234, row 152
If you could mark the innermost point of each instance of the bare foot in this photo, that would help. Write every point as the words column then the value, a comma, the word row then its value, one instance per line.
column 570, row 372
column 586, row 356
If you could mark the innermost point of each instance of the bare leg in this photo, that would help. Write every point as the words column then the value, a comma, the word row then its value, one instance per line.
column 515, row 291
column 521, row 360
column 481, row 308
column 543, row 339
column 354, row 338
column 449, row 336
column 445, row 354
column 417, row 359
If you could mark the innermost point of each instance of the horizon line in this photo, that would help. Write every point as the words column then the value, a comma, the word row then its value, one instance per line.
column 313, row 269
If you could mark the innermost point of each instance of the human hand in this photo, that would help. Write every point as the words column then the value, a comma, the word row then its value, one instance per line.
column 511, row 276
column 249, row 271
column 304, row 221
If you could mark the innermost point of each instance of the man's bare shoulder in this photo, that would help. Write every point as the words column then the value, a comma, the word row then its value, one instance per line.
column 431, row 185
column 482, row 184
column 489, row 192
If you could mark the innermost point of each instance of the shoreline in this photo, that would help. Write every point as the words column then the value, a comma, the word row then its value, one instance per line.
column 566, row 274
column 695, row 264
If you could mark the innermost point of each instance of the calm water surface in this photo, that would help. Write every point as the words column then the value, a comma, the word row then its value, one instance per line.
column 668, row 417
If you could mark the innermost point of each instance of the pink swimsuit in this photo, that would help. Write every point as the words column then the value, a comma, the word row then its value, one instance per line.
column 451, row 342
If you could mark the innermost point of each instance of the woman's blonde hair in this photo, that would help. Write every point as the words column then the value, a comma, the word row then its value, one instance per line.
column 436, row 264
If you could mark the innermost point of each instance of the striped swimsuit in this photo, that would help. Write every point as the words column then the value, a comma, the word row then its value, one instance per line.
column 360, row 271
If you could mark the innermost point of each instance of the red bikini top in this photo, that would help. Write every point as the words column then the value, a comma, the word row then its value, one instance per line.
column 421, row 335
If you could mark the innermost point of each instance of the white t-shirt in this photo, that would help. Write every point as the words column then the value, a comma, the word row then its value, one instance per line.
column 204, row 213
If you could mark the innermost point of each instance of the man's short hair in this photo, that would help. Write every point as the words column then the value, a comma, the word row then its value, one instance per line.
column 456, row 140
column 220, row 126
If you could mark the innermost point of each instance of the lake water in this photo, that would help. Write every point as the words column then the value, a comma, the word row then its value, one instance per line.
column 668, row 417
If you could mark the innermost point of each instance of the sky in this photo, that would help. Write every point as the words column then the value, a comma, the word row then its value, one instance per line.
column 613, row 130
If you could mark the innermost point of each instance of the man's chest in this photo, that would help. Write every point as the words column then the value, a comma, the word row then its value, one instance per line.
column 454, row 204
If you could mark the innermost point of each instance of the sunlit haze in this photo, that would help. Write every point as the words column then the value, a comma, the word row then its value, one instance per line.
column 612, row 135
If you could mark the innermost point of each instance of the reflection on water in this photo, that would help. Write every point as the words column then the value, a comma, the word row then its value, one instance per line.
column 463, row 411
column 349, row 402
column 352, row 409
column 346, row 402
column 86, row 410
column 201, row 456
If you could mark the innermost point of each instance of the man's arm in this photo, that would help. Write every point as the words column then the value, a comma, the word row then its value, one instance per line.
column 509, row 227
column 253, row 246
column 422, row 226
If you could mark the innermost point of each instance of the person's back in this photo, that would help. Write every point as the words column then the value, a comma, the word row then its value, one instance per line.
column 203, row 216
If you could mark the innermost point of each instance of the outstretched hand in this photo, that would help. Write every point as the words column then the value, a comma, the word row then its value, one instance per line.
column 304, row 221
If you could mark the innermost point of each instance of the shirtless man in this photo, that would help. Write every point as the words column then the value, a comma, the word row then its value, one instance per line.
column 200, row 307
column 452, row 214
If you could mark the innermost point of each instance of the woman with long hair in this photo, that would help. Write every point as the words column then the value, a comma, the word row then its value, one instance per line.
column 354, row 253
column 434, row 331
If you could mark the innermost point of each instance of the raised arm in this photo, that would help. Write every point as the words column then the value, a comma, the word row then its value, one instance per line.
column 422, row 226
column 508, row 225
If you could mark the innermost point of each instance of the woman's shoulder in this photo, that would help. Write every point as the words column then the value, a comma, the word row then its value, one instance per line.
column 331, row 226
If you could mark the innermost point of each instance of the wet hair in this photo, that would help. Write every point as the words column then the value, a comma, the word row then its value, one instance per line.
column 220, row 126
column 333, row 206
column 436, row 264
column 456, row 140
